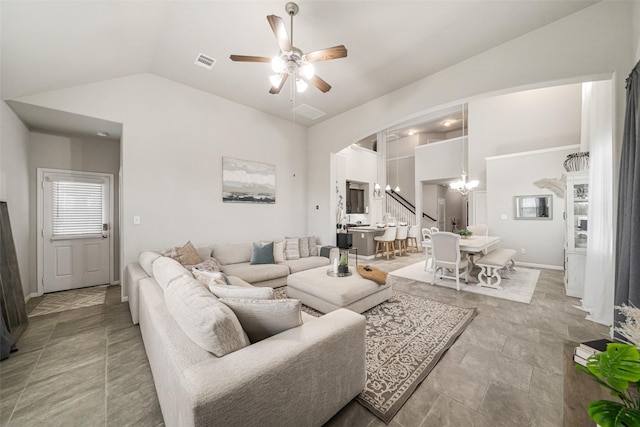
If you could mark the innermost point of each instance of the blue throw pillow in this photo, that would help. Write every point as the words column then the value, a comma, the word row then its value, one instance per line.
column 262, row 254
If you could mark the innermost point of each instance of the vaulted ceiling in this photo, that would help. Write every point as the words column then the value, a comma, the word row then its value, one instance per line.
column 51, row 45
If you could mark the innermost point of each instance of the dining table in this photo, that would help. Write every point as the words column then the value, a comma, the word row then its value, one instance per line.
column 469, row 246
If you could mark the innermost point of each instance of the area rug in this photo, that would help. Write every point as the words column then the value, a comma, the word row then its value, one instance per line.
column 406, row 336
column 70, row 300
column 518, row 287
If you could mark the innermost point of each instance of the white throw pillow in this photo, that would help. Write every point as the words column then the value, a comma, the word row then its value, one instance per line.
column 230, row 291
column 313, row 246
column 166, row 269
column 209, row 323
column 261, row 319
column 278, row 251
column 209, row 277
column 291, row 250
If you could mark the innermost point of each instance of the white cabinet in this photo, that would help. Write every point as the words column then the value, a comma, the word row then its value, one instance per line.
column 576, row 234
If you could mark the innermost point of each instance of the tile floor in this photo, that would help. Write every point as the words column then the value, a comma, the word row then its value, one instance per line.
column 88, row 366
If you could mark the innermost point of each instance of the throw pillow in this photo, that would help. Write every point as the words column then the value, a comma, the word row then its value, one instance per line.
column 291, row 250
column 230, row 291
column 261, row 319
column 209, row 264
column 262, row 253
column 209, row 323
column 303, row 244
column 313, row 246
column 188, row 255
column 208, row 277
column 278, row 251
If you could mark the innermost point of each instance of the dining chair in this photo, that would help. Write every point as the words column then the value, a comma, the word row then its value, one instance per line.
column 479, row 229
column 388, row 240
column 426, row 237
column 402, row 232
column 435, row 229
column 412, row 238
column 445, row 249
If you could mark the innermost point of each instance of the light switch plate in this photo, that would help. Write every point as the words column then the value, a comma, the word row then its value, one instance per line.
column 503, row 216
column 136, row 220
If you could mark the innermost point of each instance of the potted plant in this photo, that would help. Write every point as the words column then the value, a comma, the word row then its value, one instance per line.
column 465, row 233
column 618, row 369
column 343, row 268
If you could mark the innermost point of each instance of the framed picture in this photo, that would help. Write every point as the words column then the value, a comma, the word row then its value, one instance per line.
column 244, row 181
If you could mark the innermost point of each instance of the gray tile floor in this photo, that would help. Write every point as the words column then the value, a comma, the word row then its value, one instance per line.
column 88, row 366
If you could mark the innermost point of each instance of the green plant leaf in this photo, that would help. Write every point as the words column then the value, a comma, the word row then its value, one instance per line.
column 619, row 365
column 613, row 414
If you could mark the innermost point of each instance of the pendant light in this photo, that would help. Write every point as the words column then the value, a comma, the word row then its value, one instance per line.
column 462, row 186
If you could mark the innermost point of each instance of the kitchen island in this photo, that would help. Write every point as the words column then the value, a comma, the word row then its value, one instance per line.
column 363, row 239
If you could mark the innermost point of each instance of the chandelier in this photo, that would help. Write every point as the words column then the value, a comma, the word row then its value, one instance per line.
column 463, row 186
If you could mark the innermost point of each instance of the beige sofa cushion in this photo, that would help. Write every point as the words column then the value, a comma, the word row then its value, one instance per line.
column 256, row 273
column 167, row 269
column 230, row 291
column 263, row 318
column 296, row 265
column 232, row 253
column 208, row 322
column 146, row 259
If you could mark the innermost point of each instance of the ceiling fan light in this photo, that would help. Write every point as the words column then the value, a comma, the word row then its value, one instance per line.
column 301, row 85
column 277, row 64
column 307, row 70
column 275, row 80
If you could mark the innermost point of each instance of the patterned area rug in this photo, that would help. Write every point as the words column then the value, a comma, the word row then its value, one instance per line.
column 519, row 286
column 406, row 336
column 70, row 300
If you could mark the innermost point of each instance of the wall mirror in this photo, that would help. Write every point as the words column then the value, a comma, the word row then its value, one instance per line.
column 534, row 207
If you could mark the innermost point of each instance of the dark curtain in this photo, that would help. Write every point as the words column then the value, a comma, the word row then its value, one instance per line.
column 627, row 272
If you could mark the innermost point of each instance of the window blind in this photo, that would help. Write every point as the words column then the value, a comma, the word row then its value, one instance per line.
column 76, row 208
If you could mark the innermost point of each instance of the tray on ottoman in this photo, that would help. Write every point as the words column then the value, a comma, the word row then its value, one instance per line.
column 324, row 293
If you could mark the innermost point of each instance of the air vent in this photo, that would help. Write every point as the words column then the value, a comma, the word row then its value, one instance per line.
column 309, row 112
column 204, row 61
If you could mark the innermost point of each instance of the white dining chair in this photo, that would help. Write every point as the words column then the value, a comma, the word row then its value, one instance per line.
column 426, row 237
column 445, row 249
column 479, row 229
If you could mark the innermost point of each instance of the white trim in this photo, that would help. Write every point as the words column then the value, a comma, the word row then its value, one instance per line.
column 544, row 266
column 528, row 153
column 31, row 295
column 115, row 283
column 124, row 298
column 444, row 141
column 40, row 220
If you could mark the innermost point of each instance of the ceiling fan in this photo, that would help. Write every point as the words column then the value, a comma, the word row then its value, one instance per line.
column 291, row 61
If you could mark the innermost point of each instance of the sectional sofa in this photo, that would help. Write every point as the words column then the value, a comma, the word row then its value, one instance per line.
column 301, row 376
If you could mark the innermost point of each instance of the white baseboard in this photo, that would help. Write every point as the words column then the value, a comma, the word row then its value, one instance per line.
column 115, row 282
column 124, row 299
column 545, row 266
column 31, row 295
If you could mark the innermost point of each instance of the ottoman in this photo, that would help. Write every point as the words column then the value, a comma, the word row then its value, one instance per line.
column 324, row 293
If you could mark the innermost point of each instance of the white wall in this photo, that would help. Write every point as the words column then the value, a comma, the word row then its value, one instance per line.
column 514, row 175
column 593, row 43
column 522, row 121
column 78, row 154
column 14, row 187
column 439, row 160
column 174, row 138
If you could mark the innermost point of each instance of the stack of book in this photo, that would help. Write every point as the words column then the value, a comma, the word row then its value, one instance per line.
column 589, row 348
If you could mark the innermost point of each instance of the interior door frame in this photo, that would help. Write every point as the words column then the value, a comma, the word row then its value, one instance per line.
column 40, row 221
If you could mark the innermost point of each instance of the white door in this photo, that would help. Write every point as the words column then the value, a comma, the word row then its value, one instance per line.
column 75, row 230
column 442, row 222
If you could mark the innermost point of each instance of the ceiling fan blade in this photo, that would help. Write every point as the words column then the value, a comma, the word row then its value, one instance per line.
column 319, row 83
column 276, row 90
column 334, row 52
column 247, row 58
column 277, row 25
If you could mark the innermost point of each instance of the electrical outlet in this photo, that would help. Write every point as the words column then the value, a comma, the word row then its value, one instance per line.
column 523, row 251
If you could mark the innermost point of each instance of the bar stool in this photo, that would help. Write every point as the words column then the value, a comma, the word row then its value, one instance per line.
column 412, row 238
column 388, row 239
column 401, row 238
